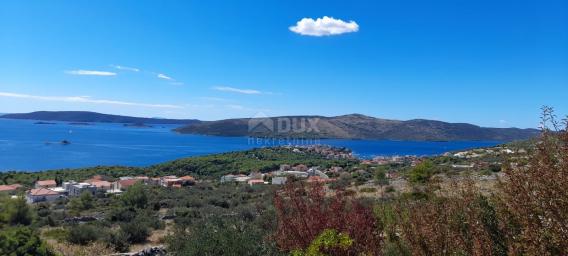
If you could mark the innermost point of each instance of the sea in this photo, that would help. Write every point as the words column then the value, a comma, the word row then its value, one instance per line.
column 27, row 145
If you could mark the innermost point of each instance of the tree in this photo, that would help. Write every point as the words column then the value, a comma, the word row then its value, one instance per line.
column 381, row 177
column 83, row 202
column 17, row 212
column 136, row 196
column 21, row 241
column 422, row 172
column 86, row 200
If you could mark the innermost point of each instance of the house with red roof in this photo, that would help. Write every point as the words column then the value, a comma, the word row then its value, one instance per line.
column 37, row 195
column 170, row 181
column 123, row 184
column 9, row 188
column 253, row 182
column 187, row 180
column 45, row 184
column 100, row 184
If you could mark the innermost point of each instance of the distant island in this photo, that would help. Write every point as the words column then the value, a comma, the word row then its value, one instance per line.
column 356, row 126
column 138, row 125
column 44, row 123
column 353, row 126
column 79, row 123
column 93, row 117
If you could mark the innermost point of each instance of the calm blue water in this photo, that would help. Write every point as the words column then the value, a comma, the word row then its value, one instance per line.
column 33, row 147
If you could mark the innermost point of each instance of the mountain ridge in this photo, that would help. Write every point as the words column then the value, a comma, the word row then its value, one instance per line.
column 357, row 126
column 350, row 126
column 93, row 117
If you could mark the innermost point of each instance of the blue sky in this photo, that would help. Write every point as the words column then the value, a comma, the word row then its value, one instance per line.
column 491, row 63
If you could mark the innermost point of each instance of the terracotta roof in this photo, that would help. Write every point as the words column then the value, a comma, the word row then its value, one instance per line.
column 100, row 183
column 187, row 178
column 42, row 192
column 9, row 187
column 46, row 183
column 127, row 183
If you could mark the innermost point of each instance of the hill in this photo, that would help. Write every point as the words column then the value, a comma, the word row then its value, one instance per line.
column 355, row 126
column 93, row 117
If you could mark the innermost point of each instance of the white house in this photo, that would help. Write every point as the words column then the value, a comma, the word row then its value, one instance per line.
column 76, row 189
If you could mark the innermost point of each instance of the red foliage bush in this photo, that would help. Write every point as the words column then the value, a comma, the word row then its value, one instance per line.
column 536, row 195
column 304, row 212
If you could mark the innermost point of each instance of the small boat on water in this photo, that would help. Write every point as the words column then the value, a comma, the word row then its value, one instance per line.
column 65, row 142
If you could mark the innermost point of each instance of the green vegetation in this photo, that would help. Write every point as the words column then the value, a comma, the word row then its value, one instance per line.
column 327, row 241
column 21, row 241
column 203, row 167
column 15, row 212
column 422, row 172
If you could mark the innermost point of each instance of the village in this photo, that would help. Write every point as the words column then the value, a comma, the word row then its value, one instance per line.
column 50, row 190
column 474, row 159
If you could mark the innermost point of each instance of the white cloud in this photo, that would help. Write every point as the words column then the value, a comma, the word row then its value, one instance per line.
column 326, row 26
column 237, row 90
column 84, row 99
column 165, row 77
column 125, row 68
column 81, row 72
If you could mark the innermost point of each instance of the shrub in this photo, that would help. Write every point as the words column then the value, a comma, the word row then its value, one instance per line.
column 304, row 212
column 463, row 223
column 136, row 232
column 83, row 234
column 329, row 242
column 220, row 237
column 119, row 241
column 535, row 195
column 422, row 172
column 21, row 241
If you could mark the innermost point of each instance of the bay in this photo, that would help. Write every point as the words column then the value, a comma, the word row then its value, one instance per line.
column 26, row 145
